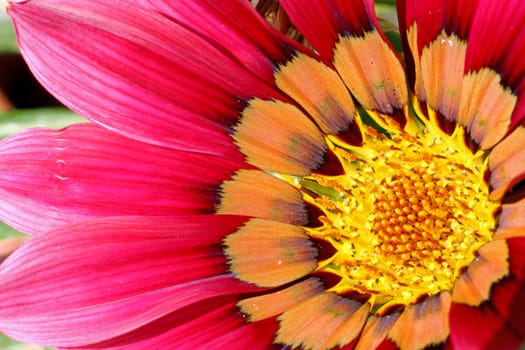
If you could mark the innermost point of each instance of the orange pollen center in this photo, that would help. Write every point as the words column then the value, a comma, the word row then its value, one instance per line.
column 407, row 216
column 412, row 215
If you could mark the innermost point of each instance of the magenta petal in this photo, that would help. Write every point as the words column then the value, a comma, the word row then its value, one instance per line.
column 253, row 336
column 212, row 324
column 508, row 298
column 434, row 16
column 90, row 282
column 235, row 26
column 481, row 328
column 50, row 178
column 322, row 21
column 136, row 70
column 184, row 329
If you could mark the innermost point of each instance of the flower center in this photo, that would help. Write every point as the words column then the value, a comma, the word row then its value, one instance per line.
column 406, row 217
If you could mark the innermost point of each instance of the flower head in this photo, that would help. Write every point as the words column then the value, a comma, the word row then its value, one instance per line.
column 236, row 188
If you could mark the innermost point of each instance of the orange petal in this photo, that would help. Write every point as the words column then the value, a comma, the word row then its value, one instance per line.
column 372, row 72
column 412, row 41
column 269, row 253
column 350, row 329
column 423, row 324
column 497, row 252
column 486, row 107
column 442, row 64
column 319, row 90
column 272, row 304
column 481, row 328
column 258, row 194
column 473, row 286
column 375, row 331
column 277, row 136
column 511, row 146
column 311, row 323
column 509, row 232
column 511, row 220
column 506, row 163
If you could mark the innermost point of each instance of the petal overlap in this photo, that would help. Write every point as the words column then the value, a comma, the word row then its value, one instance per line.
column 237, row 189
column 86, row 172
column 124, row 267
column 141, row 71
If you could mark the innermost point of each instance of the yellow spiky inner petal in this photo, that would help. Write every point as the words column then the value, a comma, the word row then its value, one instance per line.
column 409, row 214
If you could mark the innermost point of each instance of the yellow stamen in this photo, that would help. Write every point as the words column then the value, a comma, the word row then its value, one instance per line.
column 407, row 217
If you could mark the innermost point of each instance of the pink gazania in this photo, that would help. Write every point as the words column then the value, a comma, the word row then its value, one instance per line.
column 238, row 190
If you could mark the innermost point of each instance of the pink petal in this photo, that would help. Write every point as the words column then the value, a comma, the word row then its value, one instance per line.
column 210, row 324
column 180, row 328
column 90, row 282
column 511, row 216
column 136, row 70
column 509, row 301
column 322, row 21
column 236, row 26
column 480, row 328
column 50, row 178
column 255, row 336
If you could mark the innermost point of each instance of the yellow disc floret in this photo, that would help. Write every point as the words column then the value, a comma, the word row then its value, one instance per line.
column 407, row 216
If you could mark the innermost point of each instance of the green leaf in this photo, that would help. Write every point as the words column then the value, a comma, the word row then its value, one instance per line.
column 53, row 117
column 8, row 232
column 9, row 344
column 389, row 2
column 7, row 34
column 387, row 12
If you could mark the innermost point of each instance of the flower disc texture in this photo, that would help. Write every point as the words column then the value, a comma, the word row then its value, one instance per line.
column 341, row 186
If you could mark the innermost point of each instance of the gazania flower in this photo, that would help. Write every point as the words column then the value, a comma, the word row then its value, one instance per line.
column 237, row 190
